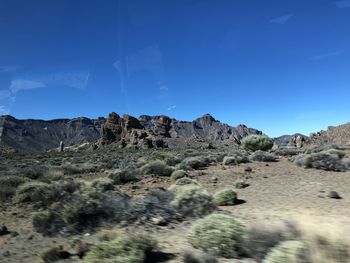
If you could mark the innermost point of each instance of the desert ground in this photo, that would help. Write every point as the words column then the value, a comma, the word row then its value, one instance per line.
column 278, row 192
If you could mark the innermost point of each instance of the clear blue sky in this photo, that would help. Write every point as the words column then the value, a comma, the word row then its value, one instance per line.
column 279, row 66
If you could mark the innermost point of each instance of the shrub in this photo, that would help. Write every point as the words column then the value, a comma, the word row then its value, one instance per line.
column 287, row 151
column 289, row 252
column 218, row 234
column 189, row 257
column 178, row 174
column 125, row 176
column 193, row 202
column 9, row 184
column 240, row 184
column 55, row 254
column 261, row 156
column 157, row 168
column 36, row 192
column 225, row 197
column 255, row 142
column 184, row 184
column 89, row 206
column 329, row 160
column 124, row 249
column 195, row 163
column 103, row 184
column 236, row 157
column 167, row 157
column 47, row 222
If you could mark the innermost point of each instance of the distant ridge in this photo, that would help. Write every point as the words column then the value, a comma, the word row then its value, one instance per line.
column 31, row 136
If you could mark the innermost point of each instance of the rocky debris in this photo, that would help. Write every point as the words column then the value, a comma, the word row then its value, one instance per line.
column 3, row 230
column 297, row 141
column 333, row 195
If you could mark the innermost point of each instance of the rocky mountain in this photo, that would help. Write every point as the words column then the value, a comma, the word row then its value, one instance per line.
column 284, row 140
column 126, row 131
column 333, row 135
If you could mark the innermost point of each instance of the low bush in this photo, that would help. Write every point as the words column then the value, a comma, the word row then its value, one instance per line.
column 255, row 142
column 177, row 174
column 184, row 184
column 287, row 151
column 48, row 222
column 120, row 177
column 240, row 184
column 168, row 157
column 9, row 184
column 103, row 184
column 189, row 257
column 194, row 162
column 124, row 249
column 218, row 234
column 329, row 160
column 225, row 197
column 289, row 252
column 193, row 202
column 261, row 156
column 236, row 157
column 157, row 168
column 55, row 254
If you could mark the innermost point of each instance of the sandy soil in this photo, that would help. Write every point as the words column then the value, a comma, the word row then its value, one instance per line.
column 277, row 191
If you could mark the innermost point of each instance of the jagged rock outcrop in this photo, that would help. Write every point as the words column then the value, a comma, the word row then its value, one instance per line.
column 161, row 131
column 333, row 135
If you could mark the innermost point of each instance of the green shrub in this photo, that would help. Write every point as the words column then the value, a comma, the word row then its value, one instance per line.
column 195, row 163
column 240, row 184
column 217, row 234
column 255, row 142
column 120, row 177
column 103, row 184
column 177, row 174
column 9, row 184
column 261, row 156
column 168, row 157
column 157, row 168
column 36, row 192
column 124, row 249
column 55, row 254
column 184, row 184
column 236, row 157
column 47, row 222
column 289, row 252
column 189, row 257
column 225, row 197
column 193, row 202
column 287, row 151
column 329, row 160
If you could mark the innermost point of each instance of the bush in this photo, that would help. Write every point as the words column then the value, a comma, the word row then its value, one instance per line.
column 167, row 157
column 157, row 168
column 287, row 151
column 195, row 163
column 255, row 142
column 89, row 206
column 289, row 252
column 240, row 184
column 261, row 156
column 184, row 184
column 9, row 184
column 189, row 257
column 47, row 222
column 125, row 176
column 178, row 174
column 217, row 234
column 225, row 197
column 103, row 184
column 55, row 254
column 124, row 249
column 193, row 202
column 236, row 157
column 329, row 160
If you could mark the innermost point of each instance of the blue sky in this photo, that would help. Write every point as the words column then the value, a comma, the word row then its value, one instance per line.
column 279, row 66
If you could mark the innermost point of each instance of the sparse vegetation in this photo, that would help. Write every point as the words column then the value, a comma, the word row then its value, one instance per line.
column 236, row 157
column 194, row 162
column 177, row 174
column 218, row 234
column 257, row 142
column 289, row 252
column 126, row 248
column 157, row 168
column 261, row 156
column 9, row 184
column 329, row 160
column 225, row 197
column 125, row 176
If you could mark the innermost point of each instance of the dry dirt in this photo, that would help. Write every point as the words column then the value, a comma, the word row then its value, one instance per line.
column 277, row 191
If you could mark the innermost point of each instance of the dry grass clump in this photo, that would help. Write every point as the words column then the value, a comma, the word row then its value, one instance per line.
column 103, row 184
column 289, row 252
column 47, row 222
column 184, row 184
column 329, row 160
column 225, row 197
column 177, row 174
column 189, row 257
column 157, row 167
column 126, row 248
column 255, row 142
column 287, row 151
column 194, row 163
column 217, row 234
column 236, row 157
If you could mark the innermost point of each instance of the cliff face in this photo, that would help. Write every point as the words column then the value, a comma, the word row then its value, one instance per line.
column 39, row 135
column 126, row 131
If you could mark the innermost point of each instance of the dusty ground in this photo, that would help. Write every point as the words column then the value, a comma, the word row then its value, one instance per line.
column 279, row 191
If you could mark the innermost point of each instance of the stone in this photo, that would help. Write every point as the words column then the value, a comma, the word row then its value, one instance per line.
column 334, row 195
